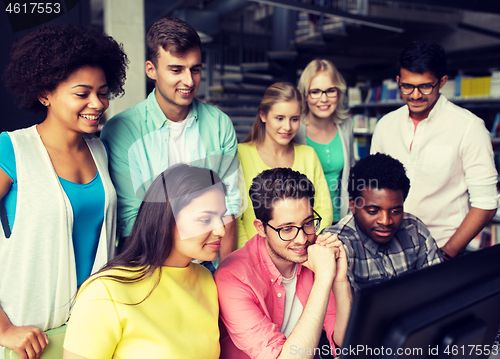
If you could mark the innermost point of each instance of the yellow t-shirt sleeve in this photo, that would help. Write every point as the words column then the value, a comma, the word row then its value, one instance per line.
column 245, row 221
column 94, row 319
column 322, row 199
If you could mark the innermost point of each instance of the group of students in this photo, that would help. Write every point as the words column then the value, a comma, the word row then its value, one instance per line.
column 180, row 193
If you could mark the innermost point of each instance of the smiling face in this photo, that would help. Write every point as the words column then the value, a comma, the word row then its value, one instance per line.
column 324, row 107
column 287, row 212
column 199, row 229
column 282, row 122
column 176, row 81
column 378, row 213
column 418, row 104
column 78, row 102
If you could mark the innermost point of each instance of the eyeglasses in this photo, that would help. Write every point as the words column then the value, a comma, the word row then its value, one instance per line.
column 289, row 233
column 425, row 89
column 332, row 92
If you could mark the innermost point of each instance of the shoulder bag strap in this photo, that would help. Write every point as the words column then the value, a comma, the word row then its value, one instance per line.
column 4, row 220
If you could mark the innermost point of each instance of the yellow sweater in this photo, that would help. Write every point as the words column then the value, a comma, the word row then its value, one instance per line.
column 306, row 162
column 178, row 320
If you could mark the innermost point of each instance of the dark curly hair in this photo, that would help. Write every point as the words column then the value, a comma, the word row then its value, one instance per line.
column 422, row 56
column 378, row 171
column 277, row 184
column 49, row 55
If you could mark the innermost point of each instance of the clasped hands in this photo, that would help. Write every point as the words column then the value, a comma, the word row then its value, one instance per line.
column 327, row 256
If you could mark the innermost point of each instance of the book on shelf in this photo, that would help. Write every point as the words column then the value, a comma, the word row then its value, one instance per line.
column 389, row 91
column 360, row 124
column 489, row 236
column 458, row 85
column 369, row 95
column 383, row 91
column 372, row 122
column 373, row 95
column 363, row 124
column 360, row 148
column 448, row 90
column 354, row 96
column 495, row 129
column 469, row 87
column 495, row 84
column 474, row 87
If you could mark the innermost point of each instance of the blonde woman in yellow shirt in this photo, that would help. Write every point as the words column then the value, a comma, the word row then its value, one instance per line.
column 270, row 145
column 151, row 301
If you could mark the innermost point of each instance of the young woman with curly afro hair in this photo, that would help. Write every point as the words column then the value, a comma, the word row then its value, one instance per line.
column 58, row 200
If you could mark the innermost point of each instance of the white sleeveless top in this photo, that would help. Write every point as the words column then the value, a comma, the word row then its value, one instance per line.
column 37, row 263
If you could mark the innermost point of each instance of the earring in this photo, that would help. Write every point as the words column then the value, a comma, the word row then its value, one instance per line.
column 44, row 103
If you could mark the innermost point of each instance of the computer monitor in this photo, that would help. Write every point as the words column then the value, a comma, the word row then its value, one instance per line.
column 450, row 310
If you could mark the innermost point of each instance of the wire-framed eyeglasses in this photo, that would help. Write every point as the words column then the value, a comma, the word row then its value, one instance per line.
column 332, row 92
column 425, row 89
column 289, row 233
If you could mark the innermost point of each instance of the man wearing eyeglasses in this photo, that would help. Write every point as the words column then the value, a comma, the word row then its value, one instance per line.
column 380, row 239
column 286, row 285
column 445, row 149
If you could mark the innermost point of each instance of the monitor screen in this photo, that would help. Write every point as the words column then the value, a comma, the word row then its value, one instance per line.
column 450, row 310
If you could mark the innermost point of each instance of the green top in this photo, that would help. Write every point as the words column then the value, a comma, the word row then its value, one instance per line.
column 331, row 156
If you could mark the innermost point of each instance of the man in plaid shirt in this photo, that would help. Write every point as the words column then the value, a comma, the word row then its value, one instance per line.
column 381, row 240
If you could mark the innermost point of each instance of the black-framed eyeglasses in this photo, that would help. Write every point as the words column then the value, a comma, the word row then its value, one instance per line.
column 332, row 92
column 289, row 233
column 425, row 89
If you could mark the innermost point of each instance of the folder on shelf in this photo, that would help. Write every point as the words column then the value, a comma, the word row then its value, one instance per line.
column 496, row 126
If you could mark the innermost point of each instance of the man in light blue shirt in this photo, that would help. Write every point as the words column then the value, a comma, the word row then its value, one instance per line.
column 171, row 126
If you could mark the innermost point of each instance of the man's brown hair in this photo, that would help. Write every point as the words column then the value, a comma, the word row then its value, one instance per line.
column 171, row 34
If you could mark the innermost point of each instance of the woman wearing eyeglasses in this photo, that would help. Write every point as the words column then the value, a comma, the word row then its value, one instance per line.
column 270, row 145
column 327, row 128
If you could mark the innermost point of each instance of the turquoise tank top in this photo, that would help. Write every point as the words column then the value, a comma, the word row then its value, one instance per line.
column 87, row 201
column 331, row 156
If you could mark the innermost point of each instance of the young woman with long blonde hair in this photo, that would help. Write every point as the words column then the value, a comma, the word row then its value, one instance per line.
column 327, row 128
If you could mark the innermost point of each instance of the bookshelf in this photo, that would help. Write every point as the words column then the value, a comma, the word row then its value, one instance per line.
column 489, row 235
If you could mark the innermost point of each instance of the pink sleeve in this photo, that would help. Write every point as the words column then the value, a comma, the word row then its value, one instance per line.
column 247, row 322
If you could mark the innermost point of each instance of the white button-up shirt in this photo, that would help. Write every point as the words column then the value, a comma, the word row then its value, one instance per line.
column 448, row 159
